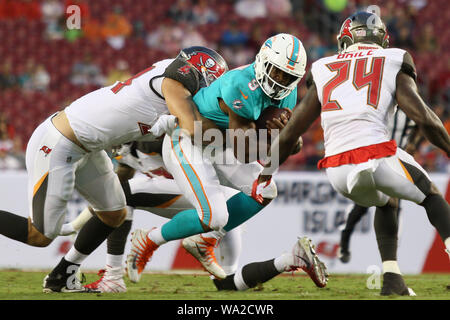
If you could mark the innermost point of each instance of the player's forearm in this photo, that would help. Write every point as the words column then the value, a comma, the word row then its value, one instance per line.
column 280, row 150
column 435, row 133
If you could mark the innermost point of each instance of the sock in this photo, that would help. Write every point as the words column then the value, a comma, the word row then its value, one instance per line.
column 66, row 229
column 183, row 225
column 156, row 236
column 114, row 261
column 447, row 244
column 216, row 234
column 438, row 212
column 14, row 226
column 91, row 235
column 241, row 208
column 386, row 229
column 74, row 256
column 391, row 266
column 255, row 273
column 81, row 219
column 117, row 239
column 283, row 262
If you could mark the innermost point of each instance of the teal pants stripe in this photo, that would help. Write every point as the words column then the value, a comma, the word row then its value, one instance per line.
column 192, row 176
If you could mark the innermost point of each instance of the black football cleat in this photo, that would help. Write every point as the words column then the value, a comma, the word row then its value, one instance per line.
column 62, row 284
column 393, row 284
column 344, row 256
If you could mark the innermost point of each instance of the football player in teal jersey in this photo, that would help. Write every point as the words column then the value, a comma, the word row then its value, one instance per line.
column 234, row 101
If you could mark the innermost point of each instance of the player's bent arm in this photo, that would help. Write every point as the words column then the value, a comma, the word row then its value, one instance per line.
column 415, row 108
column 302, row 118
column 414, row 141
column 180, row 104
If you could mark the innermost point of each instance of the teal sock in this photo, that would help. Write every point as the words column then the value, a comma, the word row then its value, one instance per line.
column 241, row 208
column 183, row 225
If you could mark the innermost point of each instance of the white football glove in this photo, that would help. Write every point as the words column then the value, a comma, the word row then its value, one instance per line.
column 165, row 124
column 265, row 190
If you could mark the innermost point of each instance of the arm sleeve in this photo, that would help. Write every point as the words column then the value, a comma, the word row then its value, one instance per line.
column 408, row 66
column 184, row 73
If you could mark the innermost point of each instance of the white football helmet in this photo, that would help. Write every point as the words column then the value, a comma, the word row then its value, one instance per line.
column 285, row 52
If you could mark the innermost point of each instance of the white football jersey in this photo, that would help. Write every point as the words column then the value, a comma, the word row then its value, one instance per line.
column 356, row 89
column 122, row 112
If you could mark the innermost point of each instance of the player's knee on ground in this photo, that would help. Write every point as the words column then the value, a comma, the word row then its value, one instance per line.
column 112, row 218
column 36, row 238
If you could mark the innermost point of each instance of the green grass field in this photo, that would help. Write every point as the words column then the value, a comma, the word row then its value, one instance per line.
column 18, row 285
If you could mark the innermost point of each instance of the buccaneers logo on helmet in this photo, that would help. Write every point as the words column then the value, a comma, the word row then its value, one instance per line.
column 206, row 61
column 345, row 30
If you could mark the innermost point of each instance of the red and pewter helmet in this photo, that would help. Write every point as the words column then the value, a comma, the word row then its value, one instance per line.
column 207, row 62
column 362, row 27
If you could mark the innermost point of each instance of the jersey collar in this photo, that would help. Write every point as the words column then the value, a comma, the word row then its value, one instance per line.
column 362, row 46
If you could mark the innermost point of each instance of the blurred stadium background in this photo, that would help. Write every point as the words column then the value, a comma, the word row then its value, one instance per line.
column 44, row 66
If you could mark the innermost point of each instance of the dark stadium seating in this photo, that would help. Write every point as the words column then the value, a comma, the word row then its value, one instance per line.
column 23, row 40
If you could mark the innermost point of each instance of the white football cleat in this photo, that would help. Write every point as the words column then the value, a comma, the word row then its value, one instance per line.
column 305, row 258
column 142, row 249
column 202, row 249
column 111, row 281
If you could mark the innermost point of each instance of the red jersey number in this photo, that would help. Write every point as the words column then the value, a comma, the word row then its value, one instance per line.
column 120, row 85
column 361, row 79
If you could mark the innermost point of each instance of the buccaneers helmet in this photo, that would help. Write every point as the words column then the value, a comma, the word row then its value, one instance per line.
column 364, row 27
column 208, row 63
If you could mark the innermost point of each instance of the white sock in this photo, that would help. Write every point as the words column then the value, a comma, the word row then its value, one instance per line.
column 215, row 234
column 391, row 266
column 239, row 281
column 114, row 261
column 156, row 236
column 283, row 262
column 447, row 244
column 81, row 220
column 75, row 256
column 66, row 229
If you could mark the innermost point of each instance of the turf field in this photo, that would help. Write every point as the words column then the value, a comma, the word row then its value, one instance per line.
column 18, row 285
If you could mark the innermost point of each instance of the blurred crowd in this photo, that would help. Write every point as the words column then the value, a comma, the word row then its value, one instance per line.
column 45, row 64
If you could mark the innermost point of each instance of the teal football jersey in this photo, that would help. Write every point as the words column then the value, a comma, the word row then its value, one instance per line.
column 240, row 91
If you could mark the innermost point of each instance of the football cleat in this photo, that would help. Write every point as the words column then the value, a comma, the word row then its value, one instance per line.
column 393, row 284
column 344, row 255
column 202, row 249
column 142, row 249
column 111, row 281
column 64, row 284
column 305, row 258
